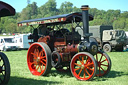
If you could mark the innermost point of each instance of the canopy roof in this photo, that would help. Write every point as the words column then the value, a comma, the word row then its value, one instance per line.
column 65, row 18
column 6, row 9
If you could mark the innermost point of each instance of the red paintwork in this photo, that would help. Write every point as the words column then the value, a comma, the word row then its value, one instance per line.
column 45, row 39
column 66, row 51
column 43, row 21
column 36, row 58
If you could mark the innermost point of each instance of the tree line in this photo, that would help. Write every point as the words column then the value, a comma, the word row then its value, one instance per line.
column 116, row 18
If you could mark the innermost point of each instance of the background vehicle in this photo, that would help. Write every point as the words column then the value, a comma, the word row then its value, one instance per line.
column 108, row 38
column 7, row 43
column 55, row 46
column 22, row 41
column 5, row 10
column 126, row 47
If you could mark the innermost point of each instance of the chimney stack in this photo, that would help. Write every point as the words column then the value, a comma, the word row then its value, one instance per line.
column 85, row 18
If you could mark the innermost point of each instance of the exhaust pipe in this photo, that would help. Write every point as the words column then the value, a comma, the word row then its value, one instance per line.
column 85, row 18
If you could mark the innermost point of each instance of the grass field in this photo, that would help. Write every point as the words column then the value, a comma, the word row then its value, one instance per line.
column 20, row 74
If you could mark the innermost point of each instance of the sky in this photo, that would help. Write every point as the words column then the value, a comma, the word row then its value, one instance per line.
column 99, row 4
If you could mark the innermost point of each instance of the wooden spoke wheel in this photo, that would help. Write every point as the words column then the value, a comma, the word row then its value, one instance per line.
column 39, row 59
column 83, row 66
column 4, row 69
column 103, row 62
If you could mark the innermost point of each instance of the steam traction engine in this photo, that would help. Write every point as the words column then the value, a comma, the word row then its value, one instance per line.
column 55, row 46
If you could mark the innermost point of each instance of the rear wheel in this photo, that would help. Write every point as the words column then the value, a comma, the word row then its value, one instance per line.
column 39, row 59
column 103, row 62
column 83, row 66
column 107, row 48
column 4, row 69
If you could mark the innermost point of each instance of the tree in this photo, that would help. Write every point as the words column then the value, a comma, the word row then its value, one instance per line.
column 48, row 9
column 66, row 7
column 118, row 19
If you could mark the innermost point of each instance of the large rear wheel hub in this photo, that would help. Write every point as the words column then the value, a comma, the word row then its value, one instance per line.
column 83, row 66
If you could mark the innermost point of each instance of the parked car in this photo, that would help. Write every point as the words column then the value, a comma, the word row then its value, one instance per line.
column 7, row 43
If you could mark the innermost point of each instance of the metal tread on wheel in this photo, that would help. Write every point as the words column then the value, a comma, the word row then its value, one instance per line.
column 4, row 69
column 103, row 62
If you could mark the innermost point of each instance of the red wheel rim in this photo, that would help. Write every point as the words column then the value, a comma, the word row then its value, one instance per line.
column 82, row 67
column 103, row 64
column 36, row 59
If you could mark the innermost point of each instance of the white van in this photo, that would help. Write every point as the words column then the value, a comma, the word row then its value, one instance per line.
column 7, row 43
column 22, row 41
column 126, row 48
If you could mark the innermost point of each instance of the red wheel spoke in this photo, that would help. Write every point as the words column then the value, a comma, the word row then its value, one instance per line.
column 43, row 63
column 102, row 69
column 36, row 64
column 80, row 61
column 84, row 74
column 87, row 61
column 77, row 64
column 44, row 60
column 40, row 67
column 87, row 72
column 33, row 63
column 41, row 52
column 99, row 71
column 42, row 57
column 89, row 65
column 76, row 69
column 104, row 65
column 101, row 58
column 90, row 69
column 103, row 61
column 37, row 52
column 80, row 72
column 37, row 68
column 35, row 56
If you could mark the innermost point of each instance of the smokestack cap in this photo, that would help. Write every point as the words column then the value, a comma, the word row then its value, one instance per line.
column 84, row 7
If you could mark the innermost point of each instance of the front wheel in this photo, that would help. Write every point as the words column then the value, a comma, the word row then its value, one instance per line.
column 83, row 66
column 4, row 69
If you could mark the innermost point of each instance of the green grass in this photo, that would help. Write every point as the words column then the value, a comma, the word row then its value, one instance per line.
column 20, row 74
